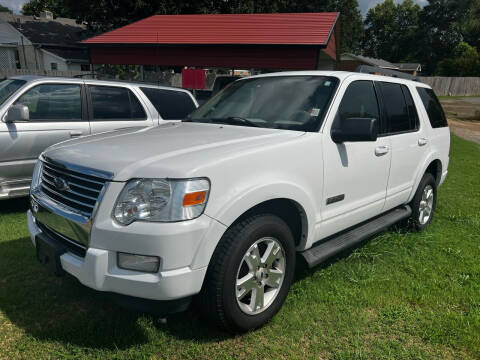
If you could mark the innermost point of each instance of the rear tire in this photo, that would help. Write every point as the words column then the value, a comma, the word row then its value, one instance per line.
column 250, row 273
column 423, row 203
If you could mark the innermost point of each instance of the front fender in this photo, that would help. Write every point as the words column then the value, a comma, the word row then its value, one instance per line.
column 228, row 212
column 251, row 197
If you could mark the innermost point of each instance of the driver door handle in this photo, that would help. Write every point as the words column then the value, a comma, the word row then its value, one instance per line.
column 75, row 133
column 382, row 150
column 422, row 141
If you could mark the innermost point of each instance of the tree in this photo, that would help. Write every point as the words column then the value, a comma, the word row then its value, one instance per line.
column 4, row 9
column 390, row 31
column 465, row 61
column 468, row 23
column 35, row 7
column 438, row 32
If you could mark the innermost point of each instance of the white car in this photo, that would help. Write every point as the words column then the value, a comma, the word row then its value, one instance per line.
column 39, row 111
column 219, row 205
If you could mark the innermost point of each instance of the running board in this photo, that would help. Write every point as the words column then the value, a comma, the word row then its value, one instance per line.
column 321, row 252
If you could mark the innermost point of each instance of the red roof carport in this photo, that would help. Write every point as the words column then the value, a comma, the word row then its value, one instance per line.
column 261, row 41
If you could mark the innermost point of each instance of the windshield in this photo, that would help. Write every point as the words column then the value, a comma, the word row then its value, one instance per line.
column 280, row 102
column 8, row 87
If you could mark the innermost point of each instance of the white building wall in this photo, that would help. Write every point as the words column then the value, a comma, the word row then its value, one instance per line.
column 74, row 67
column 48, row 59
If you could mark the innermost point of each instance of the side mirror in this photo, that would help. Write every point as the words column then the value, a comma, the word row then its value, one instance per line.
column 17, row 112
column 356, row 129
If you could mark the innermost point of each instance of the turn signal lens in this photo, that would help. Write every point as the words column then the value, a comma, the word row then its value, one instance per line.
column 195, row 198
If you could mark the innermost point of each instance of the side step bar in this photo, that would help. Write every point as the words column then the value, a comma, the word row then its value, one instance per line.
column 324, row 250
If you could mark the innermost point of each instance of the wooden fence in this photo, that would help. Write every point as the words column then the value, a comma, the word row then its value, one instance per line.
column 454, row 86
column 14, row 72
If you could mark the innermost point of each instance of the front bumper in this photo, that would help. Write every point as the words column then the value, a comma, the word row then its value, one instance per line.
column 181, row 274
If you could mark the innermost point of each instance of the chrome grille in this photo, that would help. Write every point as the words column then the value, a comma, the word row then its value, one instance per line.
column 80, row 193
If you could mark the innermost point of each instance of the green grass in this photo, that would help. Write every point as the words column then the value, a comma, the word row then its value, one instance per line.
column 454, row 97
column 400, row 296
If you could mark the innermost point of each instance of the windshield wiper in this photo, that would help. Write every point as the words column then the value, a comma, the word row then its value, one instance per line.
column 225, row 120
column 238, row 119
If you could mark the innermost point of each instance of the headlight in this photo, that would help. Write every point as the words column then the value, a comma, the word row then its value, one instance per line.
column 161, row 200
column 36, row 177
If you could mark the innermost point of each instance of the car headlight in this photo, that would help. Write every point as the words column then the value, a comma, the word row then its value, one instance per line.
column 36, row 177
column 161, row 200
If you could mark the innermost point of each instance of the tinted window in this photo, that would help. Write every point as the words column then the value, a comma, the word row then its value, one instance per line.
column 8, row 87
column 53, row 102
column 398, row 119
column 433, row 107
column 412, row 110
column 359, row 101
column 170, row 104
column 115, row 103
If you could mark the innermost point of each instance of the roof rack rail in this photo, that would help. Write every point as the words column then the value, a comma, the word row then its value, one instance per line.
column 385, row 72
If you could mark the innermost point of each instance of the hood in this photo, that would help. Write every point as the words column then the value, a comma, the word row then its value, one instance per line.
column 173, row 150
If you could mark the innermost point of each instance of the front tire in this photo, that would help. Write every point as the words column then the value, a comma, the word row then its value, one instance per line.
column 423, row 203
column 250, row 273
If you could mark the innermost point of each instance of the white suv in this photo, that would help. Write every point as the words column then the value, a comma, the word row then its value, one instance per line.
column 219, row 205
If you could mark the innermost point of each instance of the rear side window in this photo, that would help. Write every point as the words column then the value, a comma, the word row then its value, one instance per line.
column 434, row 109
column 359, row 101
column 170, row 104
column 53, row 102
column 115, row 103
column 412, row 110
column 397, row 111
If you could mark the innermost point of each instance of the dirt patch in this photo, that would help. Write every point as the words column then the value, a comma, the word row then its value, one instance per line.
column 463, row 117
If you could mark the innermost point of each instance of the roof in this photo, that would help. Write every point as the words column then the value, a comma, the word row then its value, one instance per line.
column 372, row 61
column 79, row 54
column 37, row 78
column 409, row 66
column 47, row 31
column 255, row 29
column 341, row 75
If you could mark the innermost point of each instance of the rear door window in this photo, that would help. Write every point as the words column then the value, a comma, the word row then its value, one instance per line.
column 170, row 104
column 434, row 109
column 400, row 116
column 115, row 103
column 53, row 102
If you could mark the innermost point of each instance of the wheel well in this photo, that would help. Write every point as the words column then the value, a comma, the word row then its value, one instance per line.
column 288, row 210
column 435, row 168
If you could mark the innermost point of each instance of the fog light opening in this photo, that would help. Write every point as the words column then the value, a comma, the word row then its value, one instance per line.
column 134, row 262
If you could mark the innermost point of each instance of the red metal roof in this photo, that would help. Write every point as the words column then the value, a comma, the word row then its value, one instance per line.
column 253, row 29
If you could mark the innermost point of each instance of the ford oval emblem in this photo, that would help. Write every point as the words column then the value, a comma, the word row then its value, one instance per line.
column 61, row 184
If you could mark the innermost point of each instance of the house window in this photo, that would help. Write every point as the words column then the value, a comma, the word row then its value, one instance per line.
column 85, row 67
column 53, row 66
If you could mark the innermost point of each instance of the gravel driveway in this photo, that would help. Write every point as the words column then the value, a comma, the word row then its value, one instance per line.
column 463, row 117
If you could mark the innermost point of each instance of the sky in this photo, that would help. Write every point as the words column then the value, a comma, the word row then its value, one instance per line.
column 367, row 4
column 16, row 5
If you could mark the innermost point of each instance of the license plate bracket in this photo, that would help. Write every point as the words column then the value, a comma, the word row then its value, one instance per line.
column 48, row 254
